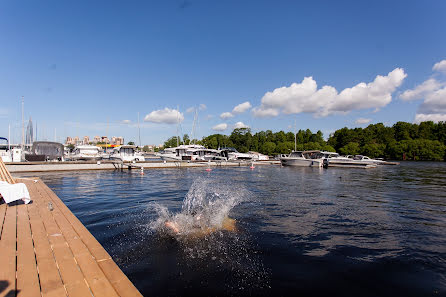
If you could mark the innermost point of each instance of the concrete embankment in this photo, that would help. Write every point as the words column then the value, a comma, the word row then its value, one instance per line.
column 108, row 165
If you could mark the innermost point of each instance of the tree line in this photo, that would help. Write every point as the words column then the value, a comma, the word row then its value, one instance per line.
column 402, row 141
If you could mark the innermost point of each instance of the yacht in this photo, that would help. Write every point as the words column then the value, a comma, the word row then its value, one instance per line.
column 126, row 153
column 86, row 153
column 184, row 152
column 258, row 156
column 232, row 154
column 5, row 150
column 297, row 158
column 313, row 158
column 348, row 161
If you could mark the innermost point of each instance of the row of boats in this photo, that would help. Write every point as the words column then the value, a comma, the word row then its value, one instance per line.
column 195, row 152
column 316, row 158
column 54, row 151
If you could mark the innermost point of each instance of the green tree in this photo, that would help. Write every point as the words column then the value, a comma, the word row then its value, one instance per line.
column 268, row 148
column 351, row 148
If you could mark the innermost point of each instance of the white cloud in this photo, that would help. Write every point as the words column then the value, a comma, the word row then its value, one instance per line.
column 362, row 121
column 422, row 90
column 208, row 117
column 264, row 112
column 305, row 97
column 166, row 116
column 226, row 115
column 190, row 109
column 126, row 122
column 240, row 125
column 440, row 66
column 220, row 127
column 242, row 107
column 434, row 103
column 202, row 107
column 435, row 117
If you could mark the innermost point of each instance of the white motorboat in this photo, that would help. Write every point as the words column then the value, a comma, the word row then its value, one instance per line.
column 86, row 153
column 232, row 154
column 126, row 153
column 313, row 158
column 298, row 158
column 184, row 152
column 335, row 160
column 5, row 150
column 258, row 156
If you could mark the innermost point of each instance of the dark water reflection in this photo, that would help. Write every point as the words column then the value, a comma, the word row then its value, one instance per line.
column 302, row 231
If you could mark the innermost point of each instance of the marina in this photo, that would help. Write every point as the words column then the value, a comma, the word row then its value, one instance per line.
column 298, row 229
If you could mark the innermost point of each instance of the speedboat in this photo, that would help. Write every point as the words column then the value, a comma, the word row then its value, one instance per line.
column 298, row 158
column 313, row 158
column 232, row 154
column 335, row 160
column 184, row 152
column 258, row 156
column 86, row 153
column 126, row 153
column 5, row 150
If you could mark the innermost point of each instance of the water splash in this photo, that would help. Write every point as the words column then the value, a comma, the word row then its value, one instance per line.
column 205, row 209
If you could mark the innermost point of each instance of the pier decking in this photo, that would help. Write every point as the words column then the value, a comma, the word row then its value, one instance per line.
column 46, row 251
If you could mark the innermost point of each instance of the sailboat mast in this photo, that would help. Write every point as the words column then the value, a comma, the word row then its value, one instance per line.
column 178, row 125
column 23, row 122
column 295, row 136
column 139, row 132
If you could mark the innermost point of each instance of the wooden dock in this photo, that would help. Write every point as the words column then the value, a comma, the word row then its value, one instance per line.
column 46, row 251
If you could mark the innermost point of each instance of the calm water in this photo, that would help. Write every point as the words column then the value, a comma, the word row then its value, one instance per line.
column 300, row 231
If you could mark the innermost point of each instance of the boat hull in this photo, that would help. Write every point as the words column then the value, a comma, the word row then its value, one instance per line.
column 300, row 162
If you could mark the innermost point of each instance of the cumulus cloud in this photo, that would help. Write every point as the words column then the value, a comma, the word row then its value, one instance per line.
column 242, row 107
column 190, row 109
column 433, row 93
column 440, row 66
column 434, row 102
column 240, row 125
column 126, row 122
column 422, row 90
column 362, row 121
column 226, row 115
column 435, row 117
column 305, row 97
column 220, row 127
column 265, row 112
column 165, row 116
column 202, row 107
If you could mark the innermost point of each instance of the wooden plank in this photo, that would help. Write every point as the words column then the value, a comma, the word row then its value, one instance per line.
column 2, row 217
column 114, row 274
column 93, row 245
column 72, row 276
column 119, row 280
column 50, row 280
column 93, row 274
column 8, row 252
column 27, row 276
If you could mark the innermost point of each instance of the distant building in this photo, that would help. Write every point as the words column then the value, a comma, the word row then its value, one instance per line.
column 96, row 139
column 29, row 132
column 117, row 140
column 86, row 140
column 105, row 139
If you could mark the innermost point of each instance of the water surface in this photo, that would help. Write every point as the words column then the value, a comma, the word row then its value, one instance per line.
column 300, row 231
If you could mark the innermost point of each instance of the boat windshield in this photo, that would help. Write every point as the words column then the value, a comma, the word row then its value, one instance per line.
column 296, row 155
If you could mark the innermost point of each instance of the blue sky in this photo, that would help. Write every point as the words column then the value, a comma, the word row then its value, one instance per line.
column 89, row 67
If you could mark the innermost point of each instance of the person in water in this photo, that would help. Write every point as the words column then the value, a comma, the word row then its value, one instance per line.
column 199, row 226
